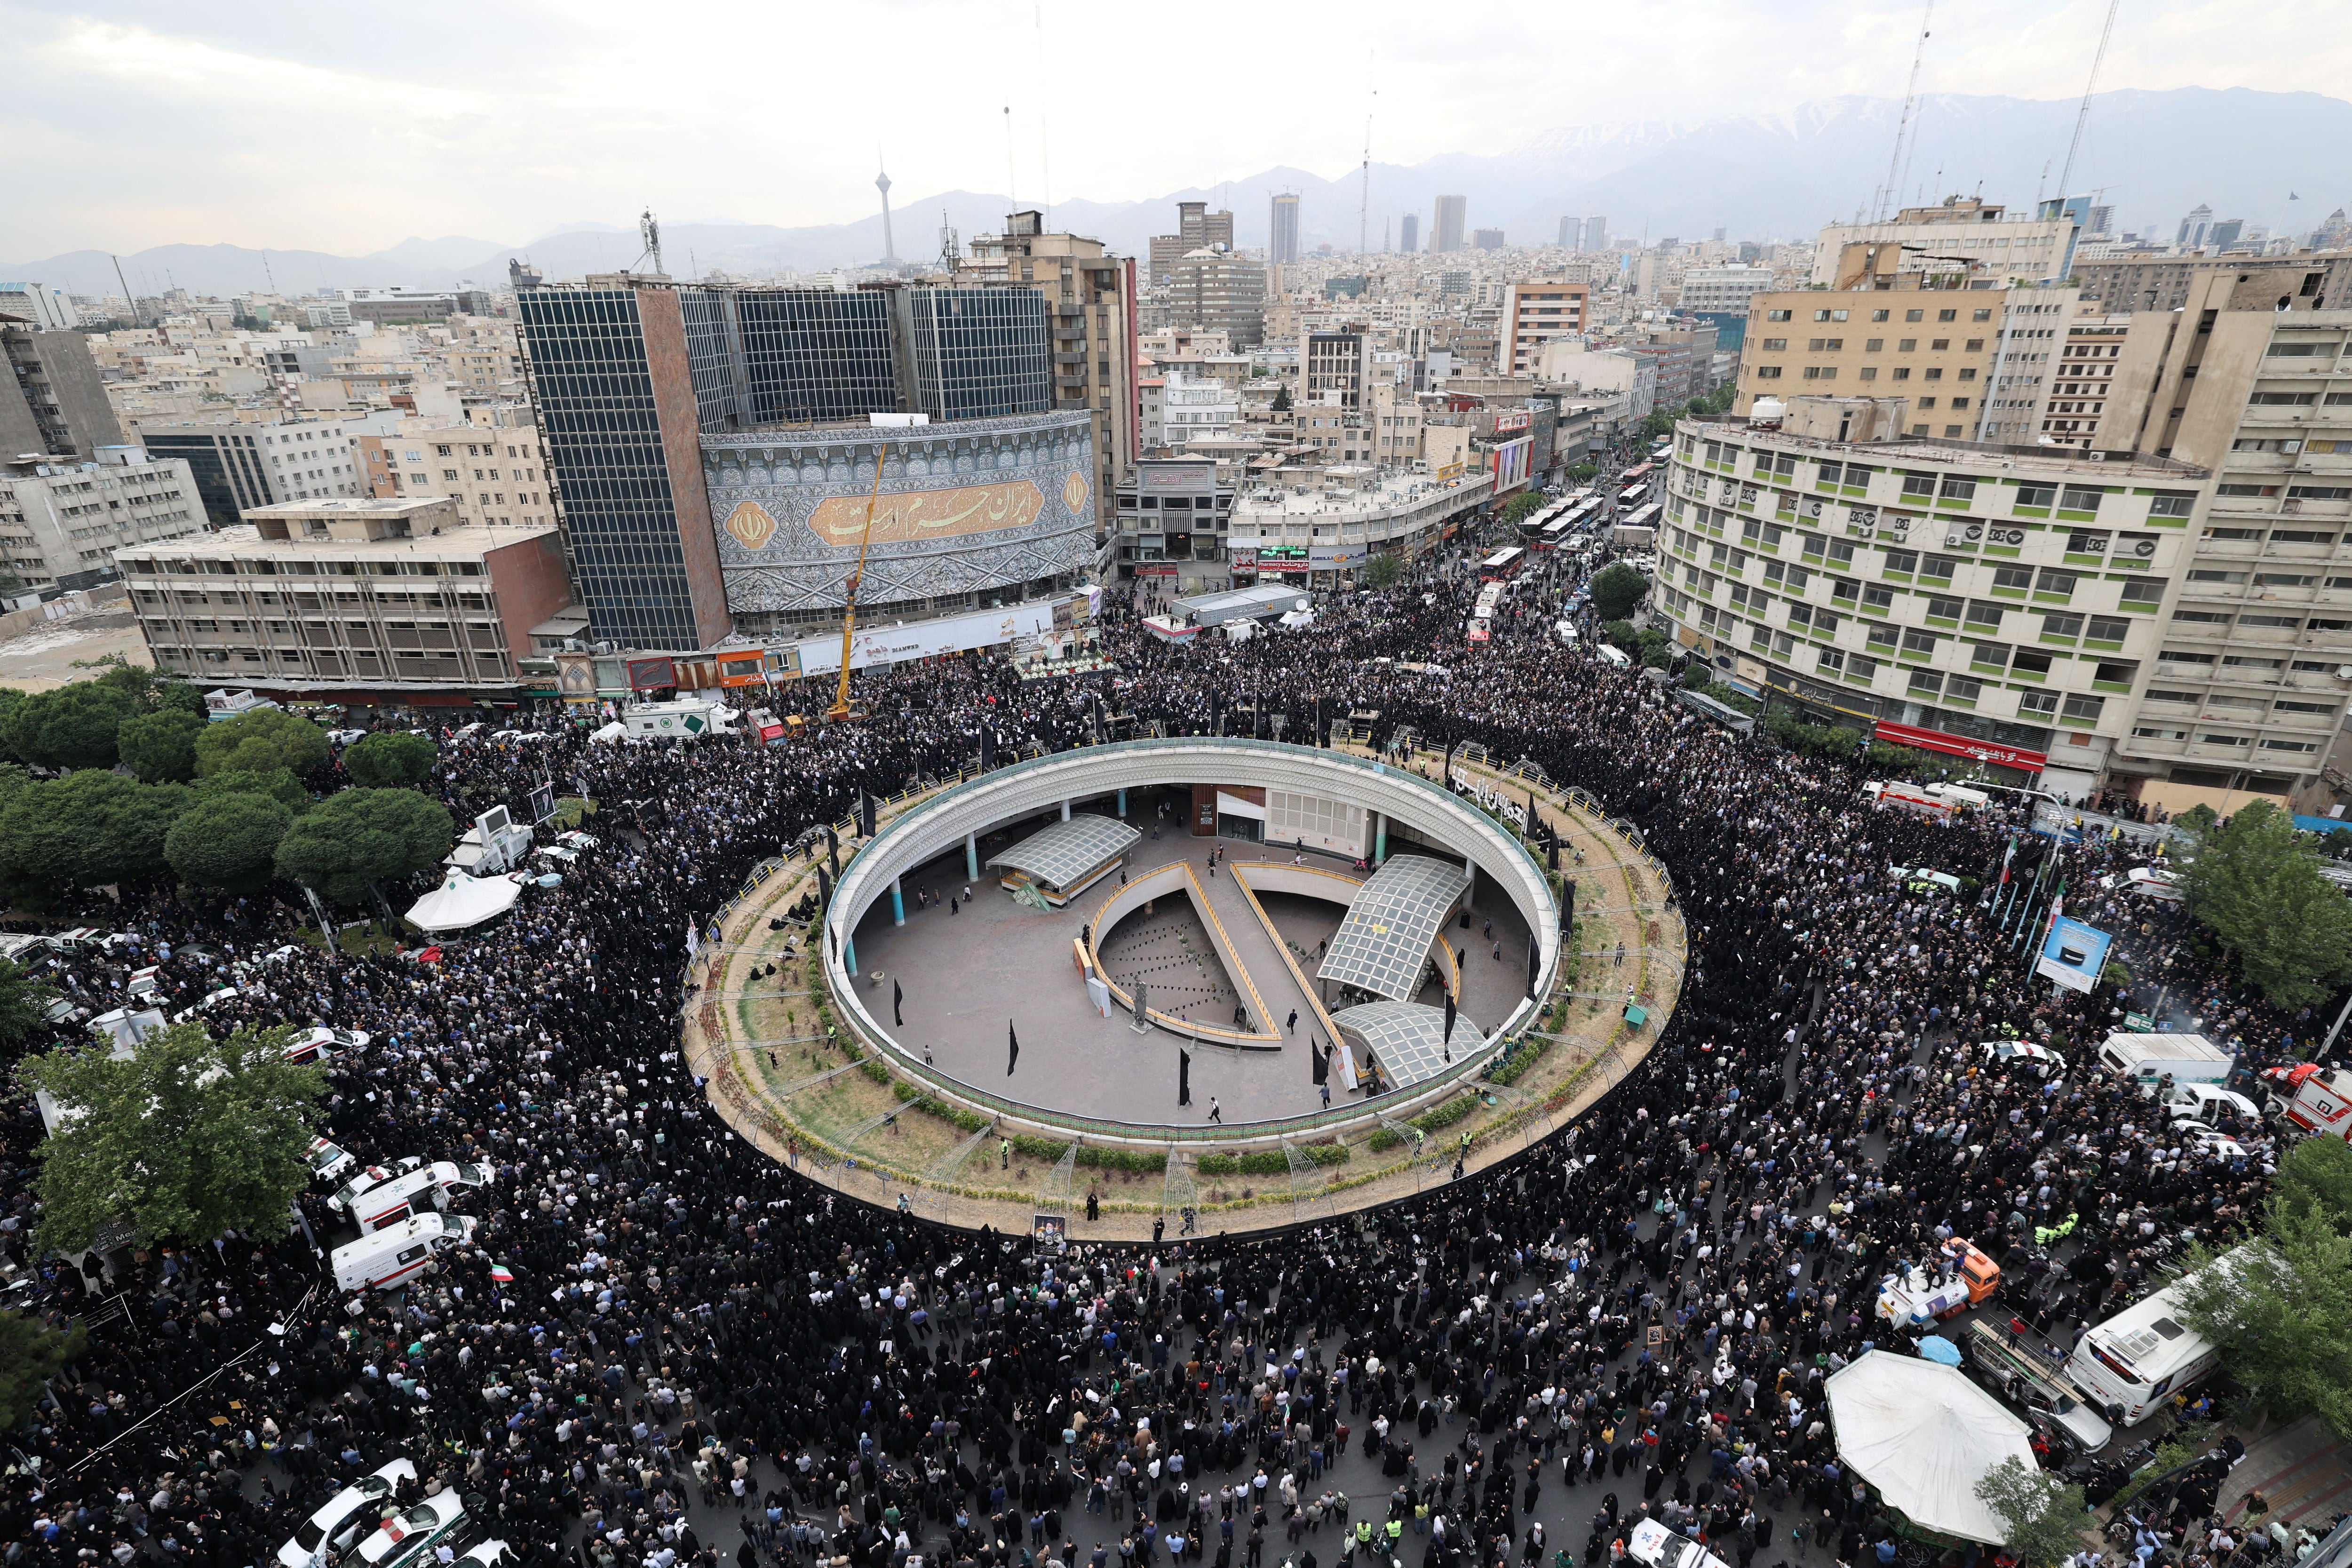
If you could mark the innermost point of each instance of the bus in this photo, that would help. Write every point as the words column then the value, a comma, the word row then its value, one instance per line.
column 2140, row 1358
column 1632, row 495
column 1644, row 519
column 1638, row 474
column 1503, row 565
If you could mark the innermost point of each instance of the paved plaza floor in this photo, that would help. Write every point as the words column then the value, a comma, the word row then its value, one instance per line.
column 996, row 963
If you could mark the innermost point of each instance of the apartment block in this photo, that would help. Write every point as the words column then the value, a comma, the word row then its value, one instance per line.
column 1535, row 313
column 1961, row 230
column 359, row 599
column 61, row 522
column 2006, row 606
column 239, row 466
column 52, row 400
column 497, row 475
column 1196, row 228
column 1931, row 345
column 2150, row 282
column 1447, row 231
column 1214, row 289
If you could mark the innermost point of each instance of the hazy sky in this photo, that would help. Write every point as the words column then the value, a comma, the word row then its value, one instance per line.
column 348, row 127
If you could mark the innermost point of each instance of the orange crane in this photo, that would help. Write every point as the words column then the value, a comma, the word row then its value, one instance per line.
column 841, row 708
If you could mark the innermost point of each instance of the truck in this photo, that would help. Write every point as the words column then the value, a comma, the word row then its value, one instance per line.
column 686, row 719
column 2310, row 1099
column 1937, row 800
column 1913, row 1298
column 2041, row 1389
column 2146, row 1060
column 2145, row 1355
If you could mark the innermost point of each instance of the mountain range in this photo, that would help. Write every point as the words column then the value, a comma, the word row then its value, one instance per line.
column 2154, row 154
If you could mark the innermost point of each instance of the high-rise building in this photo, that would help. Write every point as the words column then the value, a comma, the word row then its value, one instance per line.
column 1214, row 289
column 52, row 402
column 890, row 245
column 1452, row 212
column 1569, row 230
column 1596, row 234
column 1283, row 246
column 45, row 308
column 2194, row 228
column 629, row 374
column 2224, row 233
column 1409, row 233
column 1196, row 226
column 1486, row 240
column 1537, row 312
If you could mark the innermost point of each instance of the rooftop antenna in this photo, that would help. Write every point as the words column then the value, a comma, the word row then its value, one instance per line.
column 1364, row 201
column 1895, row 166
column 650, row 230
column 950, row 255
column 2083, row 115
column 1012, row 175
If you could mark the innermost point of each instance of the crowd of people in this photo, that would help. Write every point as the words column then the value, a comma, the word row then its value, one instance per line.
column 662, row 1347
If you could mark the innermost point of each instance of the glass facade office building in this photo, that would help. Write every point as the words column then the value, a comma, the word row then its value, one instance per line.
column 630, row 376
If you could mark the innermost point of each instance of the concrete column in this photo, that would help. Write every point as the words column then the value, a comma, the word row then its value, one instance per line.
column 1066, row 811
column 1470, row 891
column 972, row 858
column 897, row 903
column 849, row 955
column 1379, row 838
column 1122, row 803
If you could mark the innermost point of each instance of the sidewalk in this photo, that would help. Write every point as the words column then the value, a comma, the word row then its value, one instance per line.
column 2300, row 1469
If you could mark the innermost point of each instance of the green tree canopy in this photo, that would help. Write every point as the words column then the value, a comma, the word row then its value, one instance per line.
column 150, row 691
column 391, row 758
column 229, row 842
column 1525, row 504
column 161, row 746
column 30, row 1350
column 2041, row 1513
column 1616, row 591
column 10, row 700
column 1382, row 571
column 88, row 828
column 277, row 784
column 363, row 836
column 259, row 740
column 21, row 1001
column 184, row 1139
column 69, row 726
column 2259, row 892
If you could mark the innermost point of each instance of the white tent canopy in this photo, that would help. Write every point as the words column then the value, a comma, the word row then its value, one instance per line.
column 461, row 901
column 1924, row 1436
column 611, row 732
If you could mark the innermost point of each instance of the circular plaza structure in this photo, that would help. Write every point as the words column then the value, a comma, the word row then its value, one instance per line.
column 1176, row 960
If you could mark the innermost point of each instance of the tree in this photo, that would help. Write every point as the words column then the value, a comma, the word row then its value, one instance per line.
column 69, row 726
column 30, row 1352
column 150, row 690
column 1522, row 505
column 229, row 842
column 160, row 746
column 1382, row 571
column 2317, row 1175
column 274, row 782
column 89, row 828
column 23, row 1000
column 1616, row 591
column 1281, row 403
column 2041, row 1512
column 11, row 698
column 363, row 836
column 391, row 758
column 186, row 1138
column 260, row 739
column 1583, row 473
column 2261, row 893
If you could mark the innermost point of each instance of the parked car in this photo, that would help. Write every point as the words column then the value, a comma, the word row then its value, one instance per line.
column 413, row 1531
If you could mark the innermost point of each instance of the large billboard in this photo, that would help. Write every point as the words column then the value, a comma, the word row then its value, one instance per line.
column 1510, row 463
column 1967, row 746
column 2074, row 955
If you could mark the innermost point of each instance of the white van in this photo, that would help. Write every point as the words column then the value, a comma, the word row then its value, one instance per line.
column 2206, row 1104
column 388, row 1203
column 2145, row 1355
column 386, row 1259
column 2184, row 1058
column 1613, row 655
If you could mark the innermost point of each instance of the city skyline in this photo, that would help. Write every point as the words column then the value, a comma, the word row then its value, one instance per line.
column 301, row 137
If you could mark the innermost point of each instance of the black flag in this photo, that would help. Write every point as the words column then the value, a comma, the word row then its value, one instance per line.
column 1447, row 779
column 833, row 849
column 865, row 814
column 1322, row 1062
column 1551, row 852
column 1449, row 1019
column 824, row 890
column 1535, row 823
column 1183, row 1077
column 897, row 996
column 1013, row 1058
column 987, row 751
column 1532, row 952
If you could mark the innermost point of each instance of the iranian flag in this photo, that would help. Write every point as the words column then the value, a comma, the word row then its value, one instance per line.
column 500, row 1274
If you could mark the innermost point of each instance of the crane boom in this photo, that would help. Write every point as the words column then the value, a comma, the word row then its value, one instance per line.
column 841, row 709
